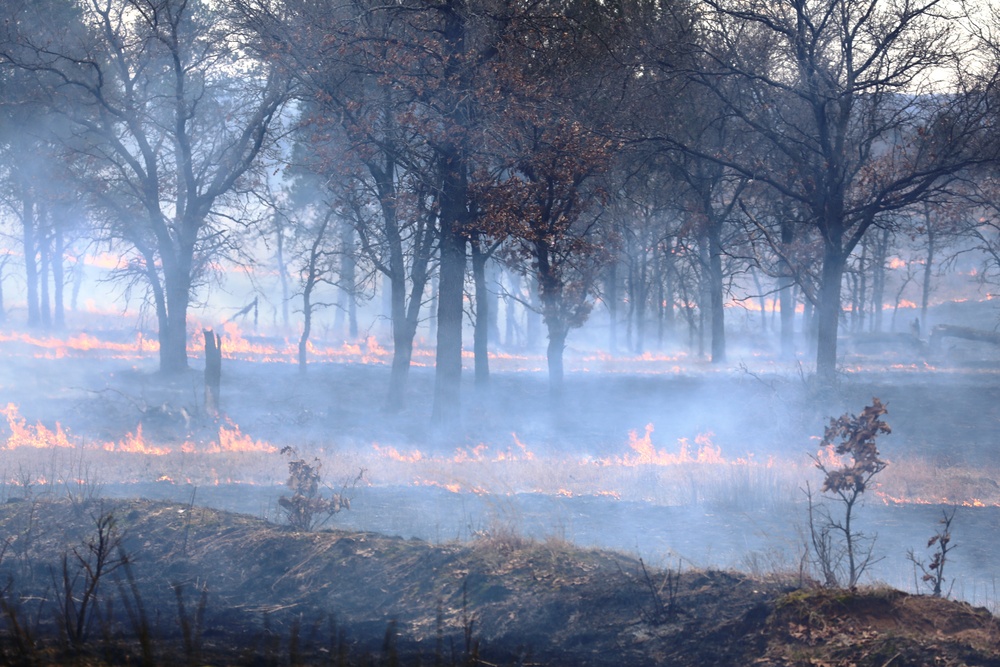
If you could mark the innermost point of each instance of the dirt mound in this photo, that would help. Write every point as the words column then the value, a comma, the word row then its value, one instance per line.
column 879, row 627
column 200, row 585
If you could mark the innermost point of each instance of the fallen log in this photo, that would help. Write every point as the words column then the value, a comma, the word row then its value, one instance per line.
column 890, row 340
column 941, row 331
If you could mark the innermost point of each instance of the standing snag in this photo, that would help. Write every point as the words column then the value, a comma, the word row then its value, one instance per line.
column 213, row 371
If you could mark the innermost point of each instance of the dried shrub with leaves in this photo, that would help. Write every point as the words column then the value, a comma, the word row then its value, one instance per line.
column 933, row 572
column 308, row 508
column 842, row 553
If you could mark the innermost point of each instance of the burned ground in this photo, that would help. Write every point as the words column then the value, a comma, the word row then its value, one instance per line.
column 276, row 596
column 531, row 517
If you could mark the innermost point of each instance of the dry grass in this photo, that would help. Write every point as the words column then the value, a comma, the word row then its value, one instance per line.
column 722, row 485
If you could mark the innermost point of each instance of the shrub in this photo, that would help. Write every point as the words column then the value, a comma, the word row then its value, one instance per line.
column 307, row 508
column 835, row 540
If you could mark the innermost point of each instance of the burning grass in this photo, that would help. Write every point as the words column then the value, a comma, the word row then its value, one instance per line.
column 37, row 454
column 695, row 472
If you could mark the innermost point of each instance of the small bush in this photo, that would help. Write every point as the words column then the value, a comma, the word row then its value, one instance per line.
column 933, row 572
column 307, row 508
column 841, row 552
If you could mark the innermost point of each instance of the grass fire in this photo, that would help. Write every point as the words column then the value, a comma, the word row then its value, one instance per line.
column 700, row 474
column 481, row 333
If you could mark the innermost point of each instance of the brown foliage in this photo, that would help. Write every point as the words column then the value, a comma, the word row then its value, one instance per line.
column 857, row 437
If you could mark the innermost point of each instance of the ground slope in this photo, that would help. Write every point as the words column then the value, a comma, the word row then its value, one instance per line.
column 276, row 596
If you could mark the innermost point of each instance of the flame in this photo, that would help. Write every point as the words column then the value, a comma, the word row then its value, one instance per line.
column 135, row 444
column 888, row 499
column 230, row 439
column 234, row 440
column 450, row 486
column 37, row 436
column 647, row 454
column 517, row 468
column 921, row 366
column 828, row 457
column 517, row 441
column 695, row 471
column 476, row 453
column 82, row 344
column 753, row 304
column 396, row 455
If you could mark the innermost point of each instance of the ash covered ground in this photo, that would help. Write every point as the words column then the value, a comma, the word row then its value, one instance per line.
column 663, row 456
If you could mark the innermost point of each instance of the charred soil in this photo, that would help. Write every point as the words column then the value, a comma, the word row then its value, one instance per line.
column 194, row 585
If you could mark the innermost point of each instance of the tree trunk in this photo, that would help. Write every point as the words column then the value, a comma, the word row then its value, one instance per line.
column 630, row 297
column 403, row 333
column 3, row 310
column 481, row 330
column 432, row 311
column 493, row 294
column 787, row 306
column 828, row 315
column 74, row 297
column 453, row 212
column 862, row 287
column 279, row 258
column 554, row 355
column 448, row 360
column 306, row 327
column 44, row 310
column 705, row 293
column 402, row 355
column 761, row 300
column 668, row 316
column 716, row 292
column 533, row 323
column 510, row 314
column 213, row 370
column 611, row 300
column 173, row 336
column 30, row 250
column 928, row 268
column 402, row 342
column 641, row 301
column 58, row 278
column 346, row 300
column 878, row 279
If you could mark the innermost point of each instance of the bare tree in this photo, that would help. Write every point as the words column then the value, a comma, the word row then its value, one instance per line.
column 849, row 120
column 168, row 116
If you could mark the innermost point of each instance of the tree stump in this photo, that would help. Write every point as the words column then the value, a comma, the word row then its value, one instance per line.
column 213, row 371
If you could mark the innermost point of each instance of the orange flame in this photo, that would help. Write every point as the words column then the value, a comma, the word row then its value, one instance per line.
column 396, row 455
column 37, row 436
column 828, row 457
column 135, row 444
column 234, row 440
column 647, row 454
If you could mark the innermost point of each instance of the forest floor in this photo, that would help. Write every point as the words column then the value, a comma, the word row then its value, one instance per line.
column 209, row 587
column 531, row 515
